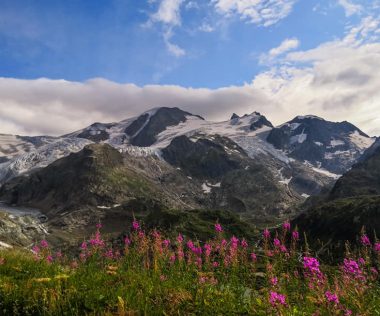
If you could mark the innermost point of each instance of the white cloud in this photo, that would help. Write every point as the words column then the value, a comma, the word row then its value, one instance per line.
column 338, row 80
column 286, row 46
column 207, row 28
column 350, row 8
column 168, row 12
column 261, row 12
column 172, row 48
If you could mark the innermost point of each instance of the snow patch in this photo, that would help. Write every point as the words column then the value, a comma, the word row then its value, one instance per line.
column 336, row 142
column 327, row 173
column 361, row 141
column 298, row 138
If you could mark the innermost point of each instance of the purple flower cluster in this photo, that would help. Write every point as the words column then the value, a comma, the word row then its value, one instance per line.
column 276, row 299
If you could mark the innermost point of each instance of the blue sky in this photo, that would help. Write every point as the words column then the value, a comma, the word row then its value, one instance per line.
column 81, row 39
column 105, row 60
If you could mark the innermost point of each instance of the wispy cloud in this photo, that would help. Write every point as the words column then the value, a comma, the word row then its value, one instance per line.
column 350, row 7
column 286, row 46
column 260, row 12
column 169, row 15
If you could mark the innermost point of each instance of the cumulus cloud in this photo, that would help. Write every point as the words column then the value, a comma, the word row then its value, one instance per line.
column 349, row 7
column 260, row 12
column 338, row 80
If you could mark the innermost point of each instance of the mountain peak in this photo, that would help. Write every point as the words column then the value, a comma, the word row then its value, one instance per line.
column 234, row 117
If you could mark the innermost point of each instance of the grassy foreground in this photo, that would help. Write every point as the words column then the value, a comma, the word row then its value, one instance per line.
column 151, row 275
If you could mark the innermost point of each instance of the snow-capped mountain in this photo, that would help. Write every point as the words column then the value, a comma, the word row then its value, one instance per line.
column 41, row 156
column 332, row 146
column 304, row 154
column 13, row 145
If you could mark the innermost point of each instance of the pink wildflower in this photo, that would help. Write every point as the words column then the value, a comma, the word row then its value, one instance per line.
column 215, row 264
column 352, row 267
column 127, row 241
column 311, row 265
column 166, row 243
column 244, row 243
column 218, row 228
column 274, row 281
column 331, row 297
column 253, row 256
column 208, row 249
column 286, row 226
column 36, row 249
column 277, row 299
column 276, row 242
column 295, row 235
column 266, row 234
column 180, row 239
column 49, row 258
column 376, row 247
column 99, row 226
column 44, row 244
column 135, row 225
column 365, row 240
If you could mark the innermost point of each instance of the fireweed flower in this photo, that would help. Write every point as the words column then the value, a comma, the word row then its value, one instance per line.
column 36, row 249
column 83, row 246
column 244, row 243
column 180, row 239
column 135, row 225
column 276, row 299
column 351, row 267
column 44, row 244
column 276, row 242
column 365, row 240
column 49, row 258
column 311, row 265
column 253, row 257
column 127, row 241
column 295, row 235
column 376, row 247
column 234, row 242
column 166, row 243
column 208, row 249
column 283, row 249
column 266, row 234
column 99, row 226
column 190, row 245
column 215, row 264
column 218, row 228
column 274, row 281
column 286, row 226
column 331, row 297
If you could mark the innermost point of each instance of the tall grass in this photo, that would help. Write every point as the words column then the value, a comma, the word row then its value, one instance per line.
column 152, row 275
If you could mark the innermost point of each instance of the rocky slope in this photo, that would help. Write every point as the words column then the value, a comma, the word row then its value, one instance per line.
column 353, row 203
column 332, row 146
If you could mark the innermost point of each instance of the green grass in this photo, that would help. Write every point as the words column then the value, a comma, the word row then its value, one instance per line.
column 143, row 279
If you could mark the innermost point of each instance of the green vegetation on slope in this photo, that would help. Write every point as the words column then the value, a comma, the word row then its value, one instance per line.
column 154, row 275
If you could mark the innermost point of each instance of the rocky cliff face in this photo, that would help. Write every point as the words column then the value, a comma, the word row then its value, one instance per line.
column 332, row 146
column 352, row 204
